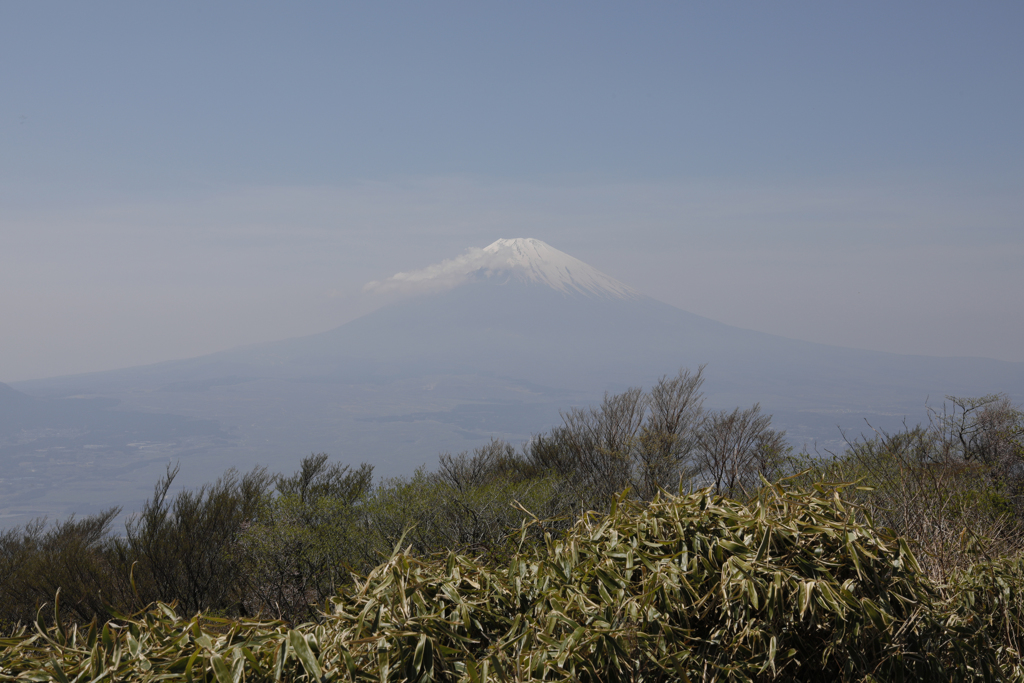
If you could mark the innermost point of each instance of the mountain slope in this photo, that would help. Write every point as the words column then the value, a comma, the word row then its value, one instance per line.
column 494, row 343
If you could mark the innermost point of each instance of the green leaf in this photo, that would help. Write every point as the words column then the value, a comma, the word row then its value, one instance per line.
column 220, row 669
column 301, row 649
column 58, row 673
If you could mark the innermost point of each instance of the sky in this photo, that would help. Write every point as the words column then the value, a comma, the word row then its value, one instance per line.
column 181, row 178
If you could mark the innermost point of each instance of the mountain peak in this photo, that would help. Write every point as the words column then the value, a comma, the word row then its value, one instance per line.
column 524, row 259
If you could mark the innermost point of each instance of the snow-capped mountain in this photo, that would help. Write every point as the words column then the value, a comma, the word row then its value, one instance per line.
column 521, row 259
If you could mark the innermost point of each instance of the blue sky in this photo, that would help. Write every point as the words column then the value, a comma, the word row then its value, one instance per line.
column 178, row 178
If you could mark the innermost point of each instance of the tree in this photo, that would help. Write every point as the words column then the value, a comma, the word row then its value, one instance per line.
column 635, row 440
column 70, row 556
column 736, row 450
column 185, row 549
column 305, row 541
column 952, row 486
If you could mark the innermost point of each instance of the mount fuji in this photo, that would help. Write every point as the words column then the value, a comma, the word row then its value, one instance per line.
column 491, row 343
column 522, row 260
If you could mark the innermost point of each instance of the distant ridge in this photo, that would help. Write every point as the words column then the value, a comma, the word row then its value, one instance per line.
column 523, row 259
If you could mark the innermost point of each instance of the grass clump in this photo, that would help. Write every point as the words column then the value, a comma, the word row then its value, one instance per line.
column 792, row 585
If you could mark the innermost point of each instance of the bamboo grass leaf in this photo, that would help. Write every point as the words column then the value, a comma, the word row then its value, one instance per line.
column 298, row 644
column 220, row 669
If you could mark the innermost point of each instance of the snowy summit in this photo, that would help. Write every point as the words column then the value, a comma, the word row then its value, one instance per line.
column 522, row 259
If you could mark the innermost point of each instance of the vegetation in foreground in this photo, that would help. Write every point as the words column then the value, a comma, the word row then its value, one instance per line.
column 497, row 567
column 790, row 586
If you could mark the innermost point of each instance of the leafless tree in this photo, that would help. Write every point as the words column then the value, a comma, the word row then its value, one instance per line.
column 734, row 450
column 669, row 436
column 951, row 487
column 635, row 440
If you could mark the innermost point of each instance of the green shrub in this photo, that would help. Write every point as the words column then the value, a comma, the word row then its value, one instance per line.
column 304, row 543
column 791, row 586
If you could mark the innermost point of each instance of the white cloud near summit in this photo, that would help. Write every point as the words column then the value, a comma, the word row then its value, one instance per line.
column 438, row 277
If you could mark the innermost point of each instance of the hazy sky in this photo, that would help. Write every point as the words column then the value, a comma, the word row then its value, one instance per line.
column 179, row 178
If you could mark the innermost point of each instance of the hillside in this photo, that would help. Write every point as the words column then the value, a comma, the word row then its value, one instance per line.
column 569, row 558
column 787, row 588
column 492, row 343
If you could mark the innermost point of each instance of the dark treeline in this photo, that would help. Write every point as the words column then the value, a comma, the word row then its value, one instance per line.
column 281, row 545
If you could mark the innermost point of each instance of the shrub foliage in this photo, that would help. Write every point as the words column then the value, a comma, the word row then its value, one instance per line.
column 790, row 586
